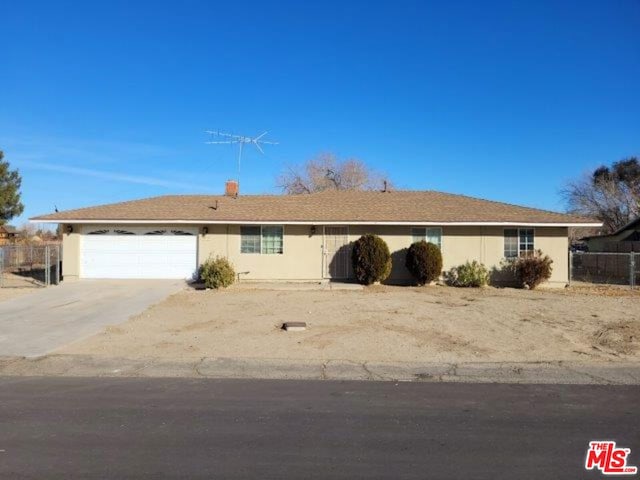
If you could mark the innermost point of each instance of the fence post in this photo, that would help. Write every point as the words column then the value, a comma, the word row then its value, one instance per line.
column 632, row 269
column 1, row 266
column 570, row 266
column 47, row 268
column 57, row 264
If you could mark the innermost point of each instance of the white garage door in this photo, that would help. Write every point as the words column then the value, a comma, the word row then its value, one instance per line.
column 138, row 252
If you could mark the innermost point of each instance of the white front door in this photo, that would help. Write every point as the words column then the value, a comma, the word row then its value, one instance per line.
column 138, row 252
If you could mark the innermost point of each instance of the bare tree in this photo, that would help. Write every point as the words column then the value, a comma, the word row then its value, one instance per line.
column 327, row 172
column 26, row 232
column 610, row 194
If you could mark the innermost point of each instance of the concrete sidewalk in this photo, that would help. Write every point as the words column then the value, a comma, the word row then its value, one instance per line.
column 529, row 373
column 37, row 323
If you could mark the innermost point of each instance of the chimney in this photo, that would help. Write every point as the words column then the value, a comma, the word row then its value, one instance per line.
column 231, row 188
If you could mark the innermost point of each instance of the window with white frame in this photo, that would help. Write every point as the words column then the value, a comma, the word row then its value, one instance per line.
column 428, row 234
column 518, row 242
column 272, row 239
column 265, row 239
column 250, row 239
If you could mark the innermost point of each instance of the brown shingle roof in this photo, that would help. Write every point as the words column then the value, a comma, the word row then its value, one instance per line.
column 333, row 206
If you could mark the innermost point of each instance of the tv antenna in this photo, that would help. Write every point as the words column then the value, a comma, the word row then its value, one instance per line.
column 221, row 138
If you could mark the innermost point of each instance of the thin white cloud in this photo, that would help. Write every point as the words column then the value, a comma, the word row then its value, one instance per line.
column 92, row 151
column 114, row 176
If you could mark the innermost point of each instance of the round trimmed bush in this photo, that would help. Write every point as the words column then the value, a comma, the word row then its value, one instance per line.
column 217, row 273
column 424, row 262
column 371, row 259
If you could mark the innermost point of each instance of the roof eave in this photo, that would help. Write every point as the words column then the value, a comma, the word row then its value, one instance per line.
column 313, row 222
column 629, row 225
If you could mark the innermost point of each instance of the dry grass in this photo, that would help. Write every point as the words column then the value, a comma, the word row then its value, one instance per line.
column 382, row 324
column 13, row 286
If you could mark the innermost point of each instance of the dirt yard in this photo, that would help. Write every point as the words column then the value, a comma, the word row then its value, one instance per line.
column 13, row 286
column 430, row 324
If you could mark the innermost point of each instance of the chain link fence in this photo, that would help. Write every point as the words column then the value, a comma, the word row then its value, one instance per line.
column 23, row 266
column 605, row 268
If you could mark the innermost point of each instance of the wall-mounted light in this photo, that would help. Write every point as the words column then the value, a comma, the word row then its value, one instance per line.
column 205, row 230
column 312, row 231
column 69, row 228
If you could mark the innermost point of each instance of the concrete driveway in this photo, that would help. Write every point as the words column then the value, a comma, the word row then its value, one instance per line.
column 37, row 323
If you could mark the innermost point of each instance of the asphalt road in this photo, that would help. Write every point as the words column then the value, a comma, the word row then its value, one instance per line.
column 191, row 428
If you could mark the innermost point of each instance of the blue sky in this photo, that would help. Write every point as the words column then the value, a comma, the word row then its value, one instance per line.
column 108, row 101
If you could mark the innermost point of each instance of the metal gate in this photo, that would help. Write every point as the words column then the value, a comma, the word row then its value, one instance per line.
column 29, row 265
column 337, row 253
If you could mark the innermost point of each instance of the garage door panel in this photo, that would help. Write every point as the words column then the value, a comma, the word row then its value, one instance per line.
column 139, row 256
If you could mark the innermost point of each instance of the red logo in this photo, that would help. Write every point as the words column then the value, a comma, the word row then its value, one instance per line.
column 604, row 456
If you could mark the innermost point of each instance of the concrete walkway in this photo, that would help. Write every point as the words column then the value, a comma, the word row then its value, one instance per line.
column 295, row 286
column 39, row 322
column 283, row 369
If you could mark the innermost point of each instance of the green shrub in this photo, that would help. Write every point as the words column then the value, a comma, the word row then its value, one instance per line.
column 371, row 259
column 469, row 274
column 532, row 270
column 218, row 272
column 424, row 262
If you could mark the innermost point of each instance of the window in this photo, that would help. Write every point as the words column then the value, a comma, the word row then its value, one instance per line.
column 431, row 235
column 272, row 239
column 526, row 241
column 267, row 239
column 518, row 242
column 511, row 243
column 249, row 239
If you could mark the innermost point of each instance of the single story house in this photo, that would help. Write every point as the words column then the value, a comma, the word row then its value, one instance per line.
column 8, row 234
column 300, row 237
column 625, row 239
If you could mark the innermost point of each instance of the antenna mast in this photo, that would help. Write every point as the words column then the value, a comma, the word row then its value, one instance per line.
column 220, row 138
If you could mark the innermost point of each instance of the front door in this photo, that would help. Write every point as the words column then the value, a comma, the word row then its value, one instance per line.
column 337, row 252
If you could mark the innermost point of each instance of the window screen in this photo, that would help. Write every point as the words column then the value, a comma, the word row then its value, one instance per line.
column 526, row 241
column 272, row 239
column 418, row 234
column 249, row 239
column 518, row 242
column 434, row 235
column 431, row 235
column 511, row 243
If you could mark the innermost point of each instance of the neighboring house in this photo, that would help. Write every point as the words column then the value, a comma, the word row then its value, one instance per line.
column 300, row 237
column 8, row 234
column 625, row 239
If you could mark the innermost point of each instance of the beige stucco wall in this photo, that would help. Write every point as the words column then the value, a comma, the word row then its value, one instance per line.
column 71, row 253
column 468, row 243
column 301, row 260
column 303, row 253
